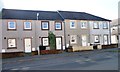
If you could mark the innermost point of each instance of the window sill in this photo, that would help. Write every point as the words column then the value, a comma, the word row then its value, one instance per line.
column 11, row 29
column 12, row 48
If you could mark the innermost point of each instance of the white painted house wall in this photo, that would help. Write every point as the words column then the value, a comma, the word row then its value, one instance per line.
column 101, row 32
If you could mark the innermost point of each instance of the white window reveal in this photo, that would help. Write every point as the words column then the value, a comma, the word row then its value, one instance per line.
column 11, row 43
column 72, row 24
column 73, row 39
column 27, row 25
column 83, row 24
column 96, row 37
column 12, row 25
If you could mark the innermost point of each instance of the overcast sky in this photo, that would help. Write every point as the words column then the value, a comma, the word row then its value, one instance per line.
column 104, row 8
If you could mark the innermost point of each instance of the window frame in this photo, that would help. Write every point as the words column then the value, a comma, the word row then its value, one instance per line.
column 71, row 25
column 12, row 47
column 98, row 39
column 42, row 25
column 71, row 39
column 105, row 24
column 43, row 41
column 60, row 25
column 85, row 24
column 25, row 26
column 8, row 26
column 97, row 25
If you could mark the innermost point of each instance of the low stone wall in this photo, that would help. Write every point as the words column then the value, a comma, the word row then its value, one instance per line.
column 109, row 46
column 81, row 48
column 12, row 54
column 15, row 54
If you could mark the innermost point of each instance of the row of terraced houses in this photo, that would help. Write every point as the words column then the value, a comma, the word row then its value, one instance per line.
column 25, row 30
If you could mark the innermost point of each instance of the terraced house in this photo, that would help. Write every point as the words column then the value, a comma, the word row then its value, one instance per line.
column 25, row 30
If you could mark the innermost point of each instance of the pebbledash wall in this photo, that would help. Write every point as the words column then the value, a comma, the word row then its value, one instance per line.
column 71, row 29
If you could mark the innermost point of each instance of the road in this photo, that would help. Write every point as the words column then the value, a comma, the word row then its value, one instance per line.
column 105, row 59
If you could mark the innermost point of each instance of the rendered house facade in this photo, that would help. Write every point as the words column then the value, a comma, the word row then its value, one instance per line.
column 86, row 29
column 23, row 31
column 26, row 30
column 114, row 31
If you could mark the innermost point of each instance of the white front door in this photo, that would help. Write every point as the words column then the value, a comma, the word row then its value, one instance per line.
column 105, row 39
column 27, row 43
column 59, row 43
column 84, row 40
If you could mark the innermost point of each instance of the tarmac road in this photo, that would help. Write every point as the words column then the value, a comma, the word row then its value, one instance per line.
column 106, row 59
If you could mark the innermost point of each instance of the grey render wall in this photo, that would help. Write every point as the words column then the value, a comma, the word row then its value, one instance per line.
column 0, row 35
column 36, row 33
column 100, row 32
column 77, row 31
column 19, row 34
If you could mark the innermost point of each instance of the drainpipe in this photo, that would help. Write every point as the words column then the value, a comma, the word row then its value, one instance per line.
column 64, row 27
column 110, row 32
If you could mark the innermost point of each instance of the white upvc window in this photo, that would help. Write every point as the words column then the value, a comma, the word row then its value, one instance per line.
column 105, row 25
column 11, row 25
column 95, row 25
column 83, row 24
column 58, row 26
column 73, row 39
column 27, row 25
column 96, row 39
column 72, row 24
column 12, row 43
column 45, row 41
column 45, row 25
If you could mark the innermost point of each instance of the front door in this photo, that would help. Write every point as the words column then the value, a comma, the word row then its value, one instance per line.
column 84, row 40
column 27, row 43
column 59, row 43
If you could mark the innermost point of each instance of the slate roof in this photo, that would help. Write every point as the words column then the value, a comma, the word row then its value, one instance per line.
column 48, row 15
column 30, row 15
column 80, row 16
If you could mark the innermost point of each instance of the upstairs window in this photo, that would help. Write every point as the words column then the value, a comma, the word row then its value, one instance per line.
column 58, row 26
column 96, row 25
column 27, row 26
column 45, row 25
column 83, row 24
column 105, row 25
column 11, row 25
column 72, row 24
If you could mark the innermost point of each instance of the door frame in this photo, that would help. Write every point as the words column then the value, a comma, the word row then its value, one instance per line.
column 24, row 43
column 61, row 42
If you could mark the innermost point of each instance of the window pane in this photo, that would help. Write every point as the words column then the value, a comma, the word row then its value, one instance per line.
column 44, row 25
column 83, row 24
column 27, row 25
column 11, row 43
column 73, row 38
column 45, row 42
column 11, row 25
column 72, row 24
column 96, row 38
column 96, row 25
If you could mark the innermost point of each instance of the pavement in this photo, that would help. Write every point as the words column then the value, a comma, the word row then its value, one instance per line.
column 105, row 59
